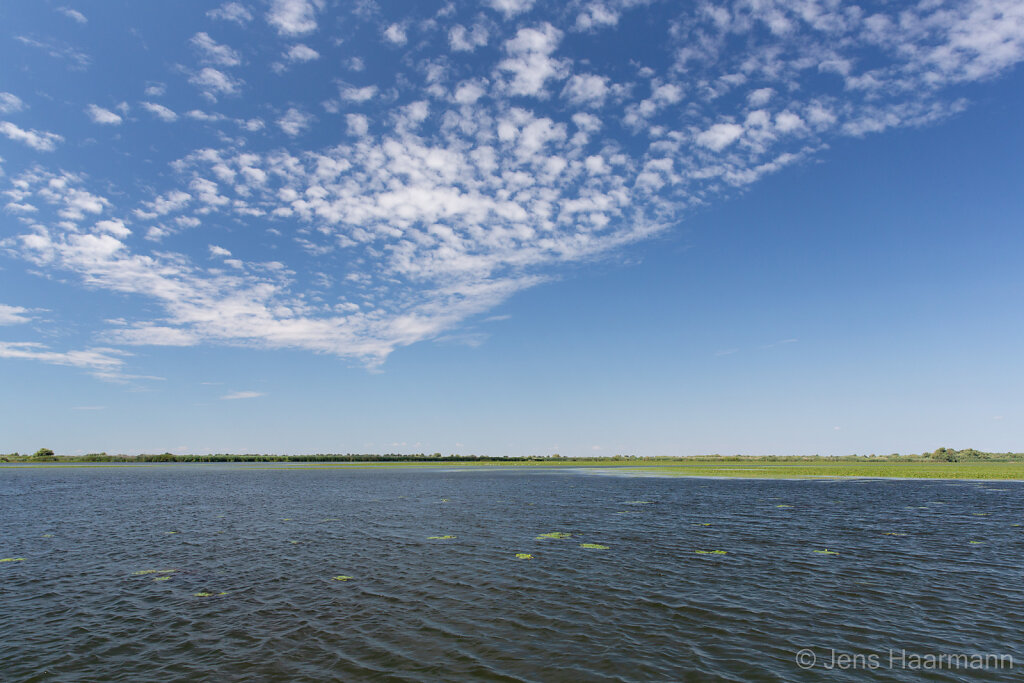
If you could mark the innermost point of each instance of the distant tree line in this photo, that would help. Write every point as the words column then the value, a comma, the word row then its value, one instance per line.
column 940, row 454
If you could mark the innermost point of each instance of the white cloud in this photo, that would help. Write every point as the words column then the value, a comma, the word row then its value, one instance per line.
column 213, row 53
column 160, row 111
column 104, row 363
column 73, row 14
column 358, row 125
column 294, row 17
column 10, row 102
column 395, row 34
column 359, row 94
column 760, row 97
column 596, row 15
column 242, row 394
column 102, row 116
column 13, row 315
column 529, row 60
column 156, row 89
column 301, row 53
column 469, row 92
column 294, row 122
column 114, row 227
column 213, row 83
column 36, row 139
column 719, row 136
column 466, row 40
column 586, row 89
column 510, row 8
column 231, row 11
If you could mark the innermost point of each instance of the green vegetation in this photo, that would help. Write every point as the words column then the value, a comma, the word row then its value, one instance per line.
column 554, row 534
column 594, row 546
column 341, row 578
column 943, row 463
column 524, row 556
column 711, row 552
column 440, row 538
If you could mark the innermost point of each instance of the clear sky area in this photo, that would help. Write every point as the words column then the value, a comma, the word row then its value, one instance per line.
column 511, row 227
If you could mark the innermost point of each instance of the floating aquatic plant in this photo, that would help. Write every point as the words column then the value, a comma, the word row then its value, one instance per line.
column 141, row 572
column 524, row 556
column 202, row 594
column 341, row 578
column 13, row 559
column 47, row 535
column 711, row 552
column 553, row 534
column 783, row 506
column 976, row 542
column 702, row 523
column 594, row 546
column 444, row 500
column 170, row 532
column 440, row 538
column 161, row 578
column 826, row 551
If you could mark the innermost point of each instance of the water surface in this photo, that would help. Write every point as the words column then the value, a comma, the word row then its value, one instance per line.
column 929, row 567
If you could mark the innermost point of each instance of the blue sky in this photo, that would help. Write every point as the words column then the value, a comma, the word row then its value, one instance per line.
column 511, row 227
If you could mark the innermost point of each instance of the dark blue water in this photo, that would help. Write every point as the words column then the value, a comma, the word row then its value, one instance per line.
column 265, row 545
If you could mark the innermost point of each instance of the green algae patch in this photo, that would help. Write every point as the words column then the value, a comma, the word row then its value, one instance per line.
column 594, row 546
column 702, row 523
column 13, row 559
column 524, row 556
column 440, row 538
column 976, row 542
column 202, row 594
column 341, row 577
column 161, row 578
column 711, row 552
column 143, row 572
column 783, row 506
column 47, row 535
column 171, row 532
column 826, row 551
column 553, row 534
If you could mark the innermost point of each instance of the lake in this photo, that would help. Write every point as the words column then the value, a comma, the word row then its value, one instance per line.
column 242, row 572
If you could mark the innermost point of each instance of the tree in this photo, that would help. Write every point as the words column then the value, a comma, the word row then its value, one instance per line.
column 43, row 454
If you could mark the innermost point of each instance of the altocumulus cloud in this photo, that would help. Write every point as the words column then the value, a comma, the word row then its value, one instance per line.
column 506, row 143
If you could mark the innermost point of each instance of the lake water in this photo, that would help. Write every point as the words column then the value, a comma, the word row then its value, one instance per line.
column 265, row 544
